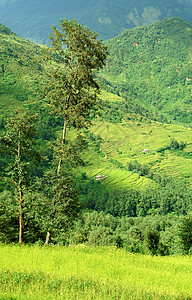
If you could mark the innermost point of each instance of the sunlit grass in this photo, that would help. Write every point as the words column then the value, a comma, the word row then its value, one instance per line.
column 84, row 272
column 124, row 142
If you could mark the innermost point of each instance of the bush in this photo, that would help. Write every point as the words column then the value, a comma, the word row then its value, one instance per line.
column 101, row 236
column 152, row 240
column 185, row 233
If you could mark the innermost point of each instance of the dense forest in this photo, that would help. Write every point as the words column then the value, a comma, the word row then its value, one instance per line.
column 140, row 148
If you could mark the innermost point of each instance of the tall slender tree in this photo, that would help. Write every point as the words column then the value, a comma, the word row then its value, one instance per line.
column 16, row 145
column 75, row 55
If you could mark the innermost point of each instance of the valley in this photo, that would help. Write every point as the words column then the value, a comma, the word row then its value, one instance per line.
column 134, row 163
column 121, row 133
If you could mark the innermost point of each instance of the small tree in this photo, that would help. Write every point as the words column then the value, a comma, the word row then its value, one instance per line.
column 16, row 145
column 152, row 240
column 51, row 206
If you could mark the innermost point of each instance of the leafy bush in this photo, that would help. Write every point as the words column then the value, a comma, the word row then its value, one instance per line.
column 185, row 233
column 136, row 167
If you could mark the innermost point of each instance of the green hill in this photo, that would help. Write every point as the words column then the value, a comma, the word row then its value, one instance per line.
column 21, row 72
column 114, row 146
column 152, row 67
column 141, row 65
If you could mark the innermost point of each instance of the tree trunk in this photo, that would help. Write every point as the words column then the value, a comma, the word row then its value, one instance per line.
column 20, row 215
column 47, row 238
column 20, row 191
column 58, row 171
column 63, row 143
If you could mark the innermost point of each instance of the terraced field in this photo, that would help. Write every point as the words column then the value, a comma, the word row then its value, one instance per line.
column 142, row 141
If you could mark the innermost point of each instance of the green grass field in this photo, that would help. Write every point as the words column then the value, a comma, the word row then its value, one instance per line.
column 91, row 273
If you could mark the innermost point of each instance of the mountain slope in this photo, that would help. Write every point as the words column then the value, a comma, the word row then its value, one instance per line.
column 120, row 135
column 21, row 72
column 32, row 19
column 152, row 65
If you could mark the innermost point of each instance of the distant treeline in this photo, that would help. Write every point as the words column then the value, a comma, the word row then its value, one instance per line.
column 157, row 235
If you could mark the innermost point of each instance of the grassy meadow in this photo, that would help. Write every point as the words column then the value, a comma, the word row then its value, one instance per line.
column 79, row 272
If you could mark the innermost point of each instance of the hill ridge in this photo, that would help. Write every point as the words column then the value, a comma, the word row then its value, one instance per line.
column 6, row 30
column 32, row 19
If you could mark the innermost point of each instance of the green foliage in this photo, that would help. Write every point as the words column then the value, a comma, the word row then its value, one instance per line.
column 152, row 240
column 50, row 204
column 17, row 143
column 174, row 145
column 157, row 235
column 165, row 197
column 136, row 167
column 101, row 236
column 5, row 30
column 53, row 207
column 78, row 54
column 185, row 233
column 8, row 218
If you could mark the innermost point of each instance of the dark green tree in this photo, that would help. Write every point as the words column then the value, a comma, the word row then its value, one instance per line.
column 185, row 233
column 152, row 240
column 8, row 218
column 17, row 145
column 51, row 207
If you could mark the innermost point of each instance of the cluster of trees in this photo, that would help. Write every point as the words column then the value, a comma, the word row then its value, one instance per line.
column 48, row 202
column 136, row 167
column 157, row 235
column 167, row 196
column 174, row 145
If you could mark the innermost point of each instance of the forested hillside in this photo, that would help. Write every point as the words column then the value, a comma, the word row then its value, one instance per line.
column 21, row 72
column 151, row 66
column 32, row 19
column 135, row 160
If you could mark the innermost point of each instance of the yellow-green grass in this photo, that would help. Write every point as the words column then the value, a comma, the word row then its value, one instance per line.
column 91, row 273
column 115, row 177
column 107, row 96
